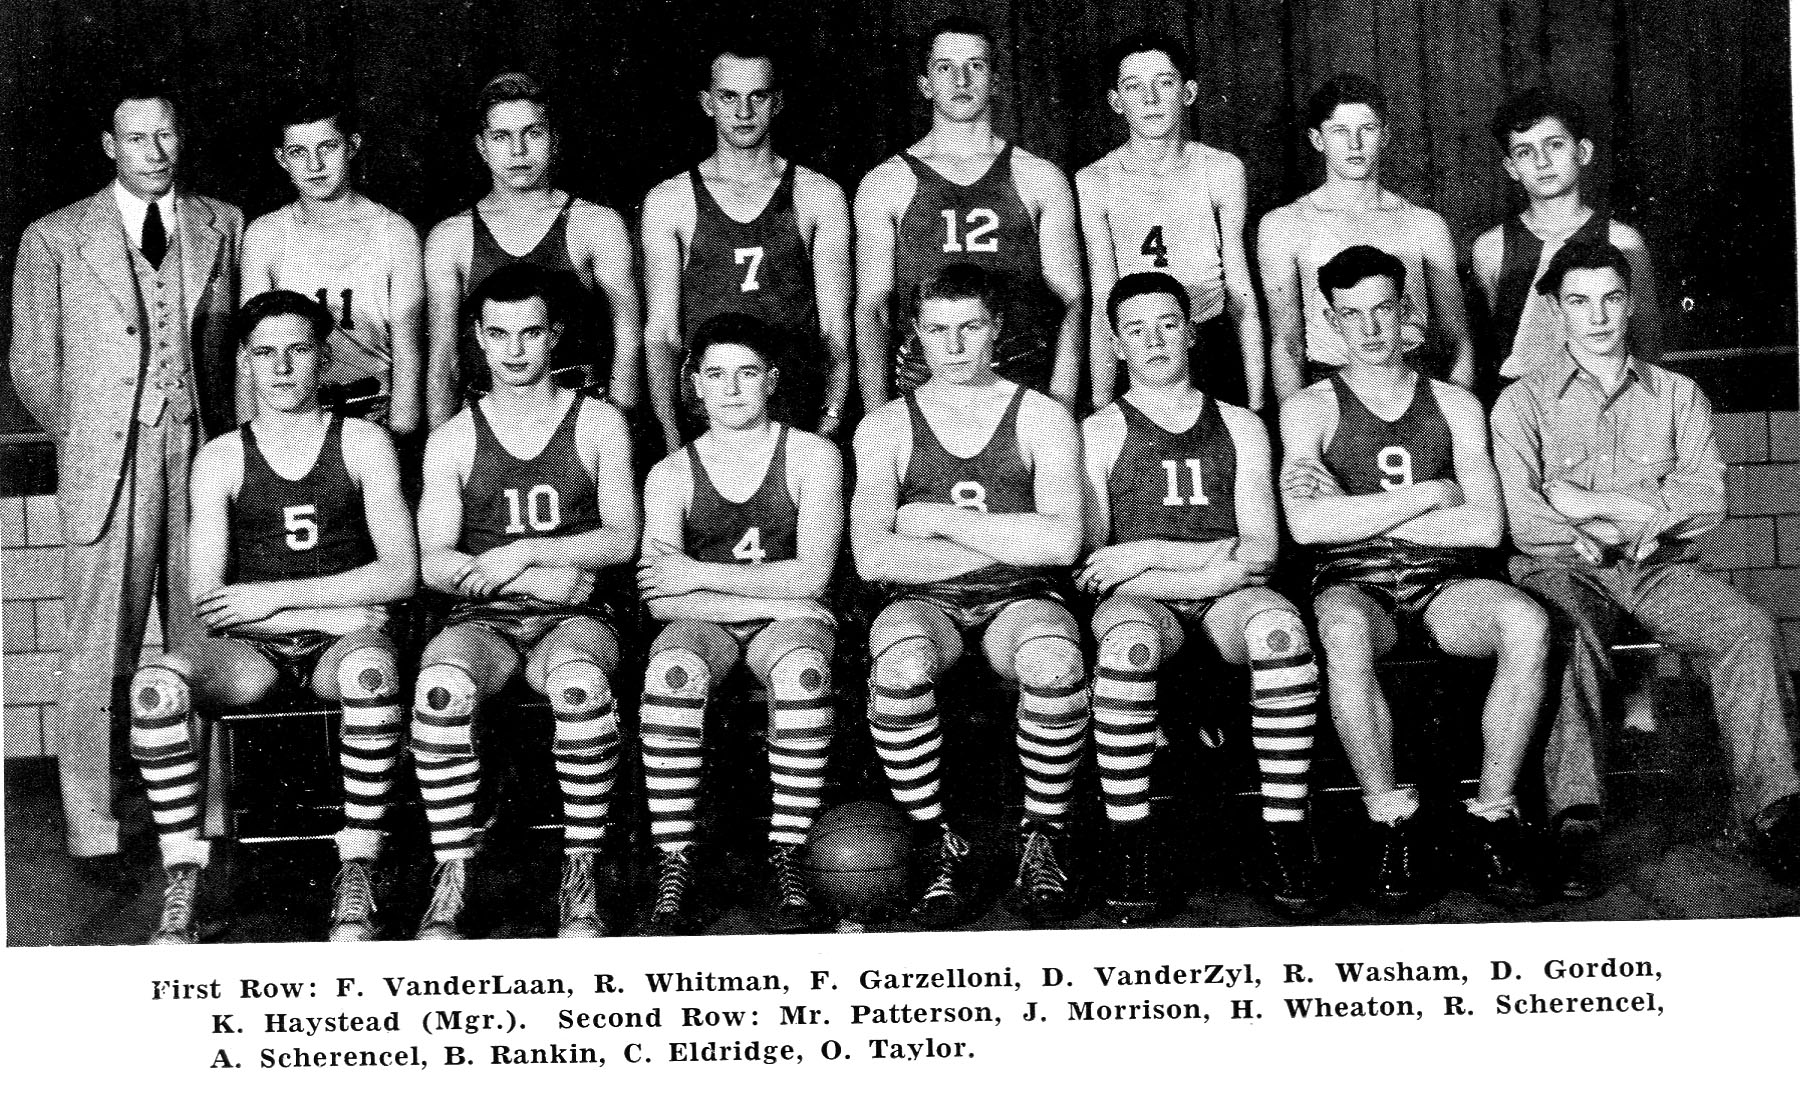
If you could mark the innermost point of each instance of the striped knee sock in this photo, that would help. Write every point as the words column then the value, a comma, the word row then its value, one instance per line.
column 1284, row 703
column 162, row 742
column 586, row 752
column 1124, row 739
column 368, row 749
column 904, row 723
column 1052, row 721
column 444, row 759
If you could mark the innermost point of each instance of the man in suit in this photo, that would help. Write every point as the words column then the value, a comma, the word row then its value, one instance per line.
column 120, row 309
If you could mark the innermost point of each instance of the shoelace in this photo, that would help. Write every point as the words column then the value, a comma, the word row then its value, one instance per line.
column 951, row 850
column 355, row 894
column 1038, row 870
column 672, row 882
column 178, row 900
column 788, row 882
column 446, row 893
column 1292, row 861
column 577, row 890
column 1396, row 857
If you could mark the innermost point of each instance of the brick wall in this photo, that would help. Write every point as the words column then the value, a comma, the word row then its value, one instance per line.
column 1758, row 547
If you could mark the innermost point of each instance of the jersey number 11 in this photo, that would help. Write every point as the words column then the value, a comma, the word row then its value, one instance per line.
column 1172, row 470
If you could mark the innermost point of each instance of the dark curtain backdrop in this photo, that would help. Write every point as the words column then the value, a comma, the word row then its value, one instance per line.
column 1689, row 102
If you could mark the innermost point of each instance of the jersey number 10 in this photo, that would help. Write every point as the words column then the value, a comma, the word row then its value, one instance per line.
column 1172, row 471
column 542, row 509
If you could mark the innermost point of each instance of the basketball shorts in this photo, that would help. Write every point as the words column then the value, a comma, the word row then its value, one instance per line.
column 977, row 598
column 522, row 623
column 1401, row 577
column 294, row 655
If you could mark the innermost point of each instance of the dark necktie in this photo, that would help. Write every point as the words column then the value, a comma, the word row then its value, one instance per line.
column 156, row 238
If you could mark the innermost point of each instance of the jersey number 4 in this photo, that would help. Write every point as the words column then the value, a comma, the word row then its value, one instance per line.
column 1154, row 247
column 749, row 547
column 542, row 508
column 1172, row 471
column 344, row 320
column 751, row 260
column 983, row 224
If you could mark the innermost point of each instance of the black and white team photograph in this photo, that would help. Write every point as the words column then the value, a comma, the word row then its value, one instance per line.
column 571, row 469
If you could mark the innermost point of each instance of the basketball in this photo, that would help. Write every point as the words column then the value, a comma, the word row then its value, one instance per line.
column 857, row 859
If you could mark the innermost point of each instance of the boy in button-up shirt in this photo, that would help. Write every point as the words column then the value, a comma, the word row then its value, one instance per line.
column 1610, row 471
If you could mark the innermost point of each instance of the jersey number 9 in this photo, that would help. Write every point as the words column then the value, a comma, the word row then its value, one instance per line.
column 1395, row 463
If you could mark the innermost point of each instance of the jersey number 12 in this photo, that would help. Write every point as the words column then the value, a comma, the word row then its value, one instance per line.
column 983, row 224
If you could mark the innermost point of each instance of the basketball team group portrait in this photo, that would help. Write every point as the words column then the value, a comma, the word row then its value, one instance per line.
column 578, row 469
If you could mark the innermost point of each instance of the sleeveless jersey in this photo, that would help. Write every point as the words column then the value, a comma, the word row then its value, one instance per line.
column 764, row 527
column 987, row 224
column 1173, row 229
column 993, row 479
column 285, row 529
column 1176, row 485
column 356, row 293
column 1328, row 232
column 580, row 351
column 506, row 498
column 1368, row 454
column 1526, row 330
column 760, row 267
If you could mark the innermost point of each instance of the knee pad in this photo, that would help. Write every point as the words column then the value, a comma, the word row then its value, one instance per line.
column 369, row 672
column 1276, row 633
column 801, row 674
column 1048, row 662
column 1131, row 646
column 682, row 673
column 907, row 664
column 444, row 712
column 160, row 707
column 577, row 687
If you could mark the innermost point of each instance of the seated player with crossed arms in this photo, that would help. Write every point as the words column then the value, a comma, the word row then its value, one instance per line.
column 299, row 538
column 1388, row 473
column 741, row 530
column 1181, row 532
column 967, row 504
column 528, row 495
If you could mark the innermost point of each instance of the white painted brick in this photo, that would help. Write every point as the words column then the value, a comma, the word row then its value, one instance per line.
column 12, row 521
column 24, row 731
column 43, row 522
column 50, row 625
column 31, row 678
column 32, row 573
column 20, row 628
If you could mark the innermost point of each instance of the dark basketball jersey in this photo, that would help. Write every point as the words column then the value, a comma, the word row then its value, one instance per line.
column 987, row 224
column 295, row 530
column 765, row 527
column 1368, row 454
column 760, row 267
column 507, row 498
column 993, row 479
column 1176, row 485
column 1523, row 259
column 580, row 352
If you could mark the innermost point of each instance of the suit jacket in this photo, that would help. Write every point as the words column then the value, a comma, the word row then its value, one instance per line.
column 81, row 346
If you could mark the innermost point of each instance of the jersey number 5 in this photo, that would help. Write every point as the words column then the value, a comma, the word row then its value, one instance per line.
column 1154, row 246
column 749, row 547
column 1395, row 463
column 752, row 259
column 302, row 527
column 542, row 509
column 983, row 224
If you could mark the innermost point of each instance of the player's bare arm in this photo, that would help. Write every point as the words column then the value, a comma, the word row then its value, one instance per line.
column 256, row 267
column 1046, row 190
column 1318, row 511
column 668, row 493
column 1048, row 537
column 1484, row 259
column 1102, row 437
column 1646, row 317
column 601, row 243
column 668, row 221
column 824, row 215
column 1103, row 271
column 1479, row 519
column 449, row 455
column 406, row 287
column 882, row 554
column 1231, row 199
column 1278, row 255
column 1447, row 303
column 447, row 252
column 880, row 199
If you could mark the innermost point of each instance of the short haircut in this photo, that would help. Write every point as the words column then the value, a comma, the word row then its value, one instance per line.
column 1523, row 110
column 278, row 303
column 303, row 108
column 1356, row 263
column 516, row 282
column 1148, row 42
column 737, row 330
column 1584, row 255
column 133, row 86
column 1341, row 89
column 954, row 24
column 747, row 45
column 1140, row 284
column 958, row 282
column 509, row 87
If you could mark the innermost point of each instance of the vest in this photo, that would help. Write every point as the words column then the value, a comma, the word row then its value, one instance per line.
column 765, row 527
column 285, row 529
column 1181, row 486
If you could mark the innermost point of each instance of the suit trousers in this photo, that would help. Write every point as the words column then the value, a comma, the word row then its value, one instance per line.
column 107, row 589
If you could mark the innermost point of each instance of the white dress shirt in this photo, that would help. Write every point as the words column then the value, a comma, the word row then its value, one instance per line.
column 133, row 210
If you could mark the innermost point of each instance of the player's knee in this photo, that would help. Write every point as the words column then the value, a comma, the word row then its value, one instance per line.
column 1346, row 638
column 444, row 711
column 1276, row 633
column 577, row 687
column 160, row 706
column 907, row 665
column 803, row 673
column 678, row 672
column 1048, row 662
column 368, row 673
column 1131, row 646
column 1524, row 631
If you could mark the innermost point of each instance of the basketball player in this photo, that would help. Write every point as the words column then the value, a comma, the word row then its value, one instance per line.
column 528, row 496
column 749, row 231
column 1346, row 121
column 967, row 504
column 358, row 258
column 741, row 531
column 1163, row 202
column 525, row 218
column 1544, row 148
column 299, row 539
column 1387, row 473
column 964, row 195
column 1181, row 533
